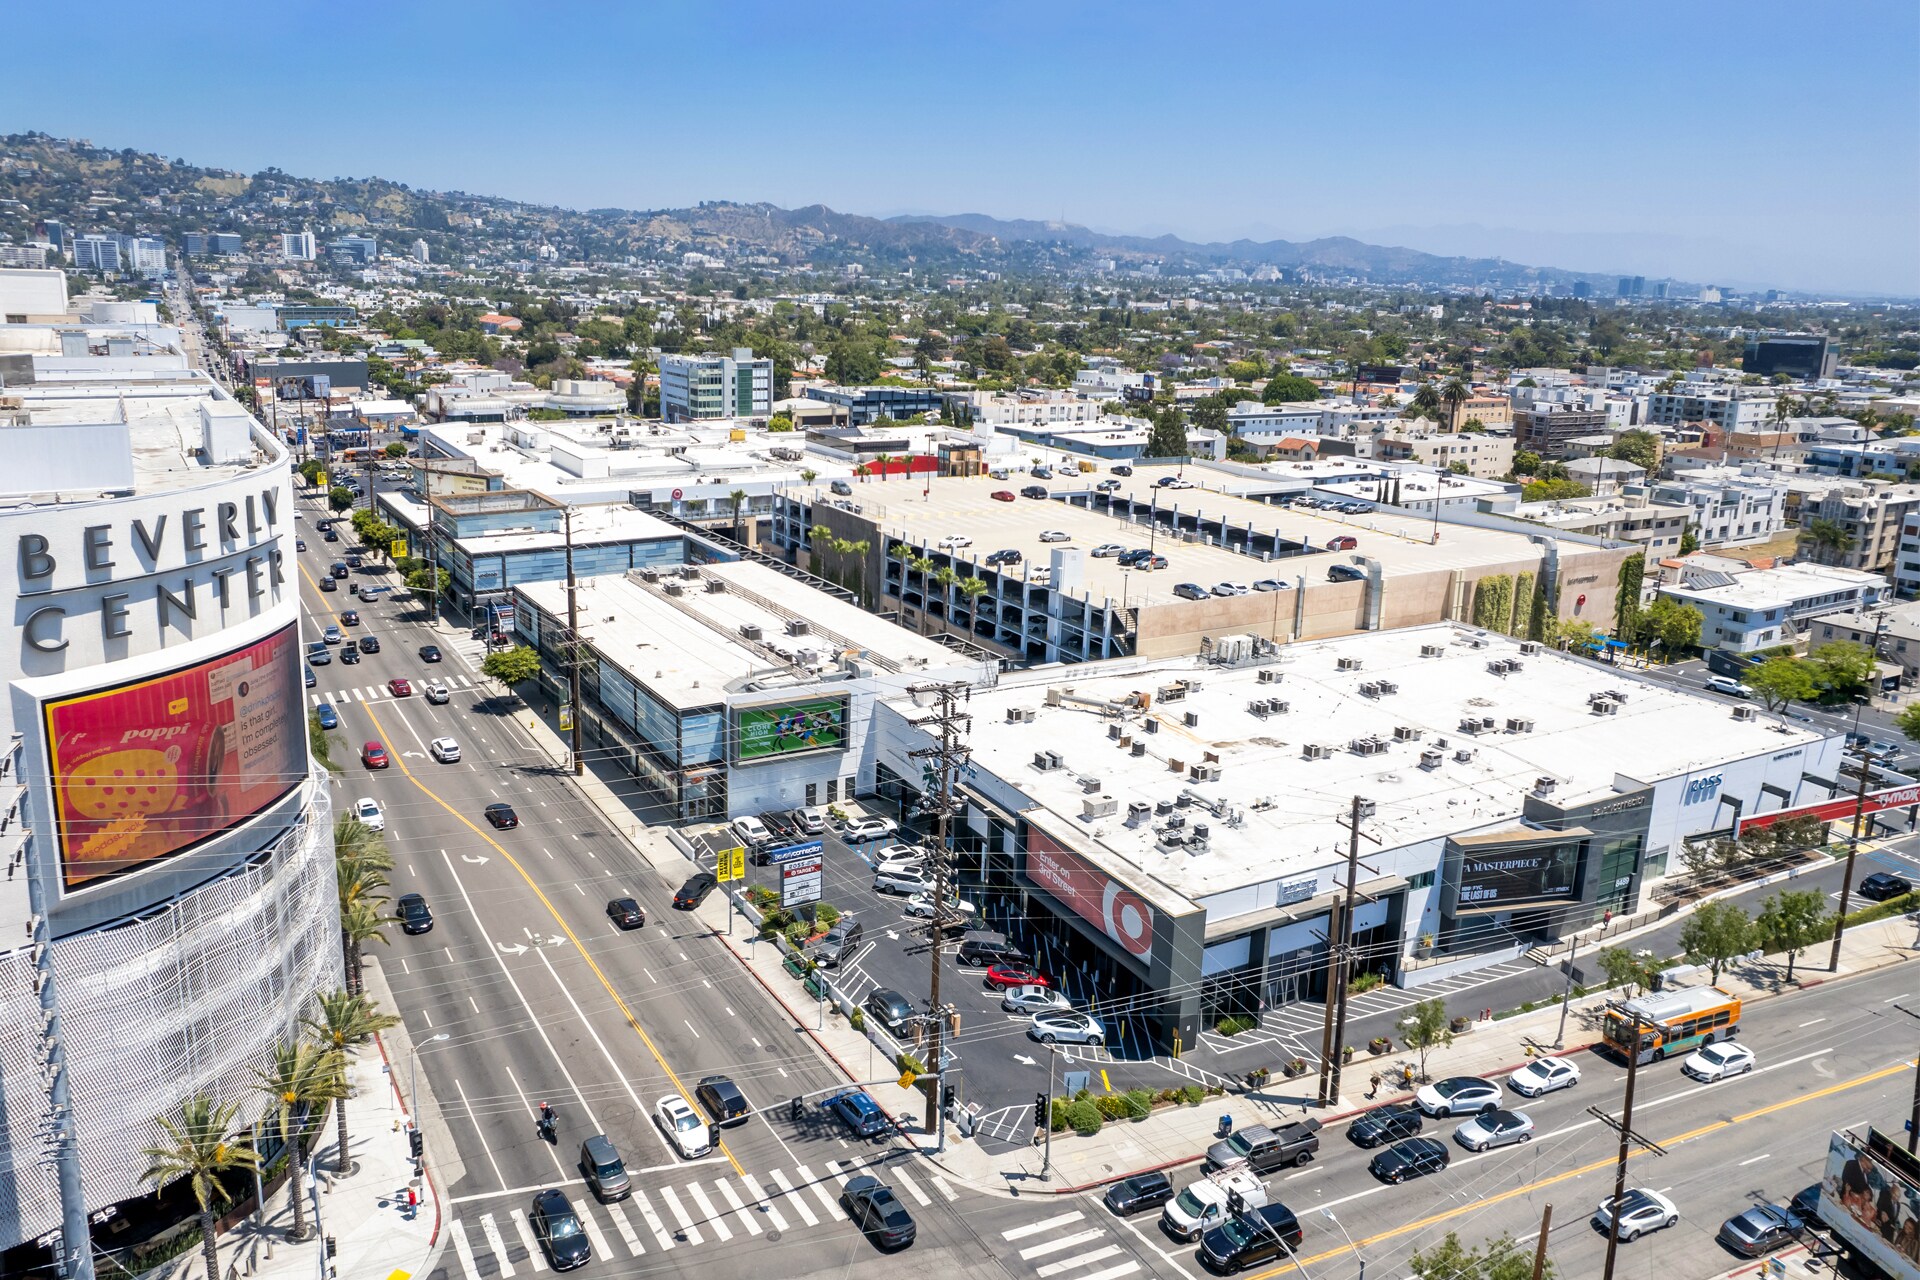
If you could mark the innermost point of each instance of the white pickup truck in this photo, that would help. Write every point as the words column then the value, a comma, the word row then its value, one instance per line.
column 1203, row 1205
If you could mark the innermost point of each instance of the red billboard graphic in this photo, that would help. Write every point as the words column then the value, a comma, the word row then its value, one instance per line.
column 146, row 770
column 1891, row 798
column 1091, row 894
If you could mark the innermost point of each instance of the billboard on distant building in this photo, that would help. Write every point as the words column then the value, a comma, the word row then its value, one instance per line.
column 1870, row 1196
column 789, row 728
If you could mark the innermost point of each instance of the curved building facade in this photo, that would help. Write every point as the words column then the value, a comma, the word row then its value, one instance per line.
column 168, row 907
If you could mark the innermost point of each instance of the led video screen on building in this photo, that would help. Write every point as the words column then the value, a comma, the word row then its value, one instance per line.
column 155, row 767
column 788, row 728
column 1499, row 875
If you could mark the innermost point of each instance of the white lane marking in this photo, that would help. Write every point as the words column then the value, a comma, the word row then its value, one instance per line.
column 729, row 1009
column 654, row 1224
column 465, row 1250
column 819, row 1188
column 1055, row 1246
column 1112, row 1273
column 1891, row 999
column 600, row 1249
column 690, row 1232
column 692, row 1028
column 1045, row 1224
column 1055, row 1268
column 474, row 1003
column 1757, row 1159
column 491, row 1230
column 601, row 1045
column 913, row 1189
column 761, row 1198
column 732, row 1197
column 625, row 1228
column 795, row 1198
column 478, row 1130
column 940, row 1185
column 649, row 973
column 710, row 1214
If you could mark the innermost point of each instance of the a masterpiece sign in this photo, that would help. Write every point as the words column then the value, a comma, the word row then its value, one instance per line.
column 1511, row 875
column 788, row 728
column 1091, row 894
column 146, row 770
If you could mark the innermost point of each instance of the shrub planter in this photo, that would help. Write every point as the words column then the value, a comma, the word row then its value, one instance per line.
column 1295, row 1069
column 1346, row 1053
column 1462, row 1024
column 1379, row 1045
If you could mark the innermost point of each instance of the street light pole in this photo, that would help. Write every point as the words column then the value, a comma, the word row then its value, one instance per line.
column 1328, row 1215
column 413, row 1074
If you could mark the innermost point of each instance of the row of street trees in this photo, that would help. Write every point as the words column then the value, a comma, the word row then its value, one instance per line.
column 1717, row 933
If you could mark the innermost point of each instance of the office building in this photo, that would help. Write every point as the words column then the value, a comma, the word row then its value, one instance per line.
column 1547, row 428
column 1632, row 286
column 145, row 254
column 56, row 233
column 1171, row 835
column 358, row 250
column 30, row 296
column 712, row 386
column 1479, row 453
column 23, row 257
column 300, row 315
column 1807, row 356
column 1762, row 608
column 297, row 246
column 420, row 251
column 96, row 253
column 225, row 243
column 194, row 244
column 863, row 406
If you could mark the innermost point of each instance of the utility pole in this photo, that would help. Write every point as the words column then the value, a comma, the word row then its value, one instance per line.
column 1339, row 957
column 1627, row 1138
column 949, row 757
column 1540, row 1249
column 1566, row 995
column 1913, row 1117
column 1853, row 849
column 573, row 650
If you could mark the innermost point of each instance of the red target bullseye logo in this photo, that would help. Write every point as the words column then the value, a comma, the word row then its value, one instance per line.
column 1127, row 919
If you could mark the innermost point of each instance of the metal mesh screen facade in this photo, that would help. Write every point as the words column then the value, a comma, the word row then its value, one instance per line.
column 187, row 997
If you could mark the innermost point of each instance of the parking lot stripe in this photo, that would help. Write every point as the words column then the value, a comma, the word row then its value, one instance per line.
column 1045, row 1224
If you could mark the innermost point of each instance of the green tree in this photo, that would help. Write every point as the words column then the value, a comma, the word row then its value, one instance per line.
column 1426, row 1028
column 1211, row 415
column 1676, row 626
column 1780, row 681
column 1552, row 490
column 739, row 500
column 1503, row 1259
column 780, row 422
column 340, row 497
column 1453, row 395
column 1526, row 463
column 317, row 745
column 1792, row 921
column 1828, row 539
column 396, row 450
column 201, row 1146
column 303, row 1079
column 1908, row 721
column 1626, row 968
column 1168, row 438
column 1425, row 403
column 1715, row 933
column 361, row 924
column 1626, row 600
column 854, row 362
column 426, row 583
column 1285, row 388
column 1641, row 448
column 345, row 1020
column 1842, row 665
column 1458, row 469
column 1689, row 539
column 511, row 666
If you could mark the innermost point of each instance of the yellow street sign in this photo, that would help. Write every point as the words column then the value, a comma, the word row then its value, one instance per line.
column 566, row 718
column 730, row 864
column 907, row 1078
column 397, row 548
column 738, row 857
column 321, row 479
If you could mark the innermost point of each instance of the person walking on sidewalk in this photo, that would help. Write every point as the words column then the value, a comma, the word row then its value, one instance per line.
column 1373, row 1085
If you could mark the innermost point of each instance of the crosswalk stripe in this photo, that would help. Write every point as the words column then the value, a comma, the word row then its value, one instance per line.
column 710, row 1214
column 940, row 1184
column 1055, row 1246
column 600, row 1249
column 465, row 1250
column 1080, row 1260
column 733, row 1198
column 819, row 1188
column 687, row 1229
column 491, row 1230
column 919, row 1196
column 761, row 1198
column 798, row 1201
column 535, row 1258
column 625, row 1228
column 660, row 1235
column 1045, row 1224
column 1112, row 1273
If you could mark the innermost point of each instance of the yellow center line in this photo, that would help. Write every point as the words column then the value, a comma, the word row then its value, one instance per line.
column 1432, row 1219
column 546, row 902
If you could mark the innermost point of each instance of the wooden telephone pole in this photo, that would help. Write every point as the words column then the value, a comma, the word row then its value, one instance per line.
column 949, row 757
column 1624, row 1125
column 1333, row 1031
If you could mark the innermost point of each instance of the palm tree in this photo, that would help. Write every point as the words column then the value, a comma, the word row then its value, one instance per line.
column 360, row 923
column 354, row 839
column 305, row 1076
column 946, row 577
column 1425, row 402
column 200, row 1145
column 1827, row 537
column 346, row 1020
column 1455, row 394
column 739, row 499
column 881, row 460
column 972, row 589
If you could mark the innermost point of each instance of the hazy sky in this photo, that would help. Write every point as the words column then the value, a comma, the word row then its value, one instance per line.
column 1763, row 142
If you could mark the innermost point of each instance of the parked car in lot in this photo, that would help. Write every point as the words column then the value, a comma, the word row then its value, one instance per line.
column 1496, row 1128
column 1410, row 1158
column 840, row 945
column 1718, row 1061
column 1544, row 1075
column 1458, row 1096
column 750, row 832
column 869, row 827
column 875, row 1210
column 891, row 1009
column 808, row 820
column 1006, row 555
column 683, row 1128
column 899, row 857
column 956, row 542
column 1272, row 584
column 1390, row 1123
column 1002, row 495
column 1067, row 1026
column 1108, row 551
column 912, row 881
column 1122, row 470
column 1150, row 562
column 1033, row 999
column 1009, row 976
column 1034, row 491
column 1640, row 1210
column 1055, row 535
column 1191, row 591
column 1345, row 573
column 1761, row 1229
column 1882, row 885
column 1231, row 589
column 954, row 908
column 1141, row 1192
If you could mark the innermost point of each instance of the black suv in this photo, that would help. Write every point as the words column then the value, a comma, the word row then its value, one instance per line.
column 1141, row 1192
column 1249, row 1239
column 723, row 1100
column 1034, row 491
column 1882, row 885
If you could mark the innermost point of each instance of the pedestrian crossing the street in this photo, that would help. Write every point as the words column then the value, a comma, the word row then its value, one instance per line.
column 496, row 1239
column 381, row 693
column 1069, row 1246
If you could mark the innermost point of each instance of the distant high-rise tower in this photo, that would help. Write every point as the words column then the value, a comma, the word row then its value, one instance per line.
column 56, row 235
column 96, row 253
column 297, row 246
column 420, row 252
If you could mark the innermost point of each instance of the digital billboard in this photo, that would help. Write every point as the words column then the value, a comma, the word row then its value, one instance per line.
column 1099, row 899
column 148, row 769
column 1501, row 874
column 789, row 728
column 1870, row 1197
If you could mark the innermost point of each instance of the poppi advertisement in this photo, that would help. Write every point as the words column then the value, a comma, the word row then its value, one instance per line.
column 146, row 770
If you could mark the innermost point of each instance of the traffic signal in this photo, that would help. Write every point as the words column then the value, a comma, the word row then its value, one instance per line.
column 948, row 1096
column 793, row 1110
column 332, row 1248
column 1039, row 1109
column 713, row 1135
column 416, row 1143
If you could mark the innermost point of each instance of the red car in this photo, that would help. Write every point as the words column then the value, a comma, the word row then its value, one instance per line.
column 374, row 756
column 1003, row 495
column 1014, row 975
column 400, row 687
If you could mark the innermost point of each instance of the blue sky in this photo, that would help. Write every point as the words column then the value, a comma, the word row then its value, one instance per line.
column 1763, row 142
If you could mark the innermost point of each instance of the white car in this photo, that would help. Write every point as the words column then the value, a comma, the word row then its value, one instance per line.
column 811, row 819
column 1067, row 1025
column 1032, row 1000
column 1641, row 1210
column 955, row 541
column 1056, row 535
column 687, row 1131
column 1174, row 482
column 367, row 810
column 860, row 830
column 1497, row 1128
column 437, row 693
column 921, row 904
column 445, row 750
column 750, row 831
column 1272, row 584
column 894, row 858
column 1231, row 589
column 1107, row 550
column 1718, row 1061
column 1040, row 575
column 907, row 880
column 1459, row 1096
column 1544, row 1075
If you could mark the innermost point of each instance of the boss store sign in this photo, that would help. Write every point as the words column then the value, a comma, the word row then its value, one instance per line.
column 166, row 566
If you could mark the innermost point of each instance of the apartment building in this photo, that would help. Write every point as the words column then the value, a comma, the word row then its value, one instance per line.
column 1762, row 608
column 1728, row 408
column 1727, row 509
column 715, row 386
column 1893, row 633
column 297, row 246
column 1488, row 410
column 1546, row 428
column 1870, row 515
column 96, row 253
column 1906, row 560
column 1485, row 456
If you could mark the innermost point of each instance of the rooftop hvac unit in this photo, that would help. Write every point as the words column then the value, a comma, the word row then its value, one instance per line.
column 1172, row 692
column 650, row 574
column 1019, row 715
column 1487, row 724
column 688, row 571
column 1178, row 822
column 1470, row 724
column 1139, row 748
column 1204, row 773
column 715, row 586
column 749, row 631
column 1529, row 646
column 1190, row 684
column 1269, row 676
column 1388, row 688
column 1098, row 807
column 1463, row 756
column 1150, row 724
column 1519, row 724
column 1431, row 759
column 1347, row 664
column 1608, row 707
column 1742, row 713
column 1432, row 650
column 1089, row 784
column 798, row 626
column 1498, row 666
column 1366, row 746
column 1406, row 733
column 1318, row 751
column 1514, row 664
column 1618, row 695
column 1544, row 785
column 1201, row 832
column 1046, row 761
column 1162, row 808
column 1279, row 706
column 1191, row 719
column 1257, row 707
column 1138, row 811
column 1116, row 732
column 1476, row 642
column 1371, row 689
column 676, row 589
